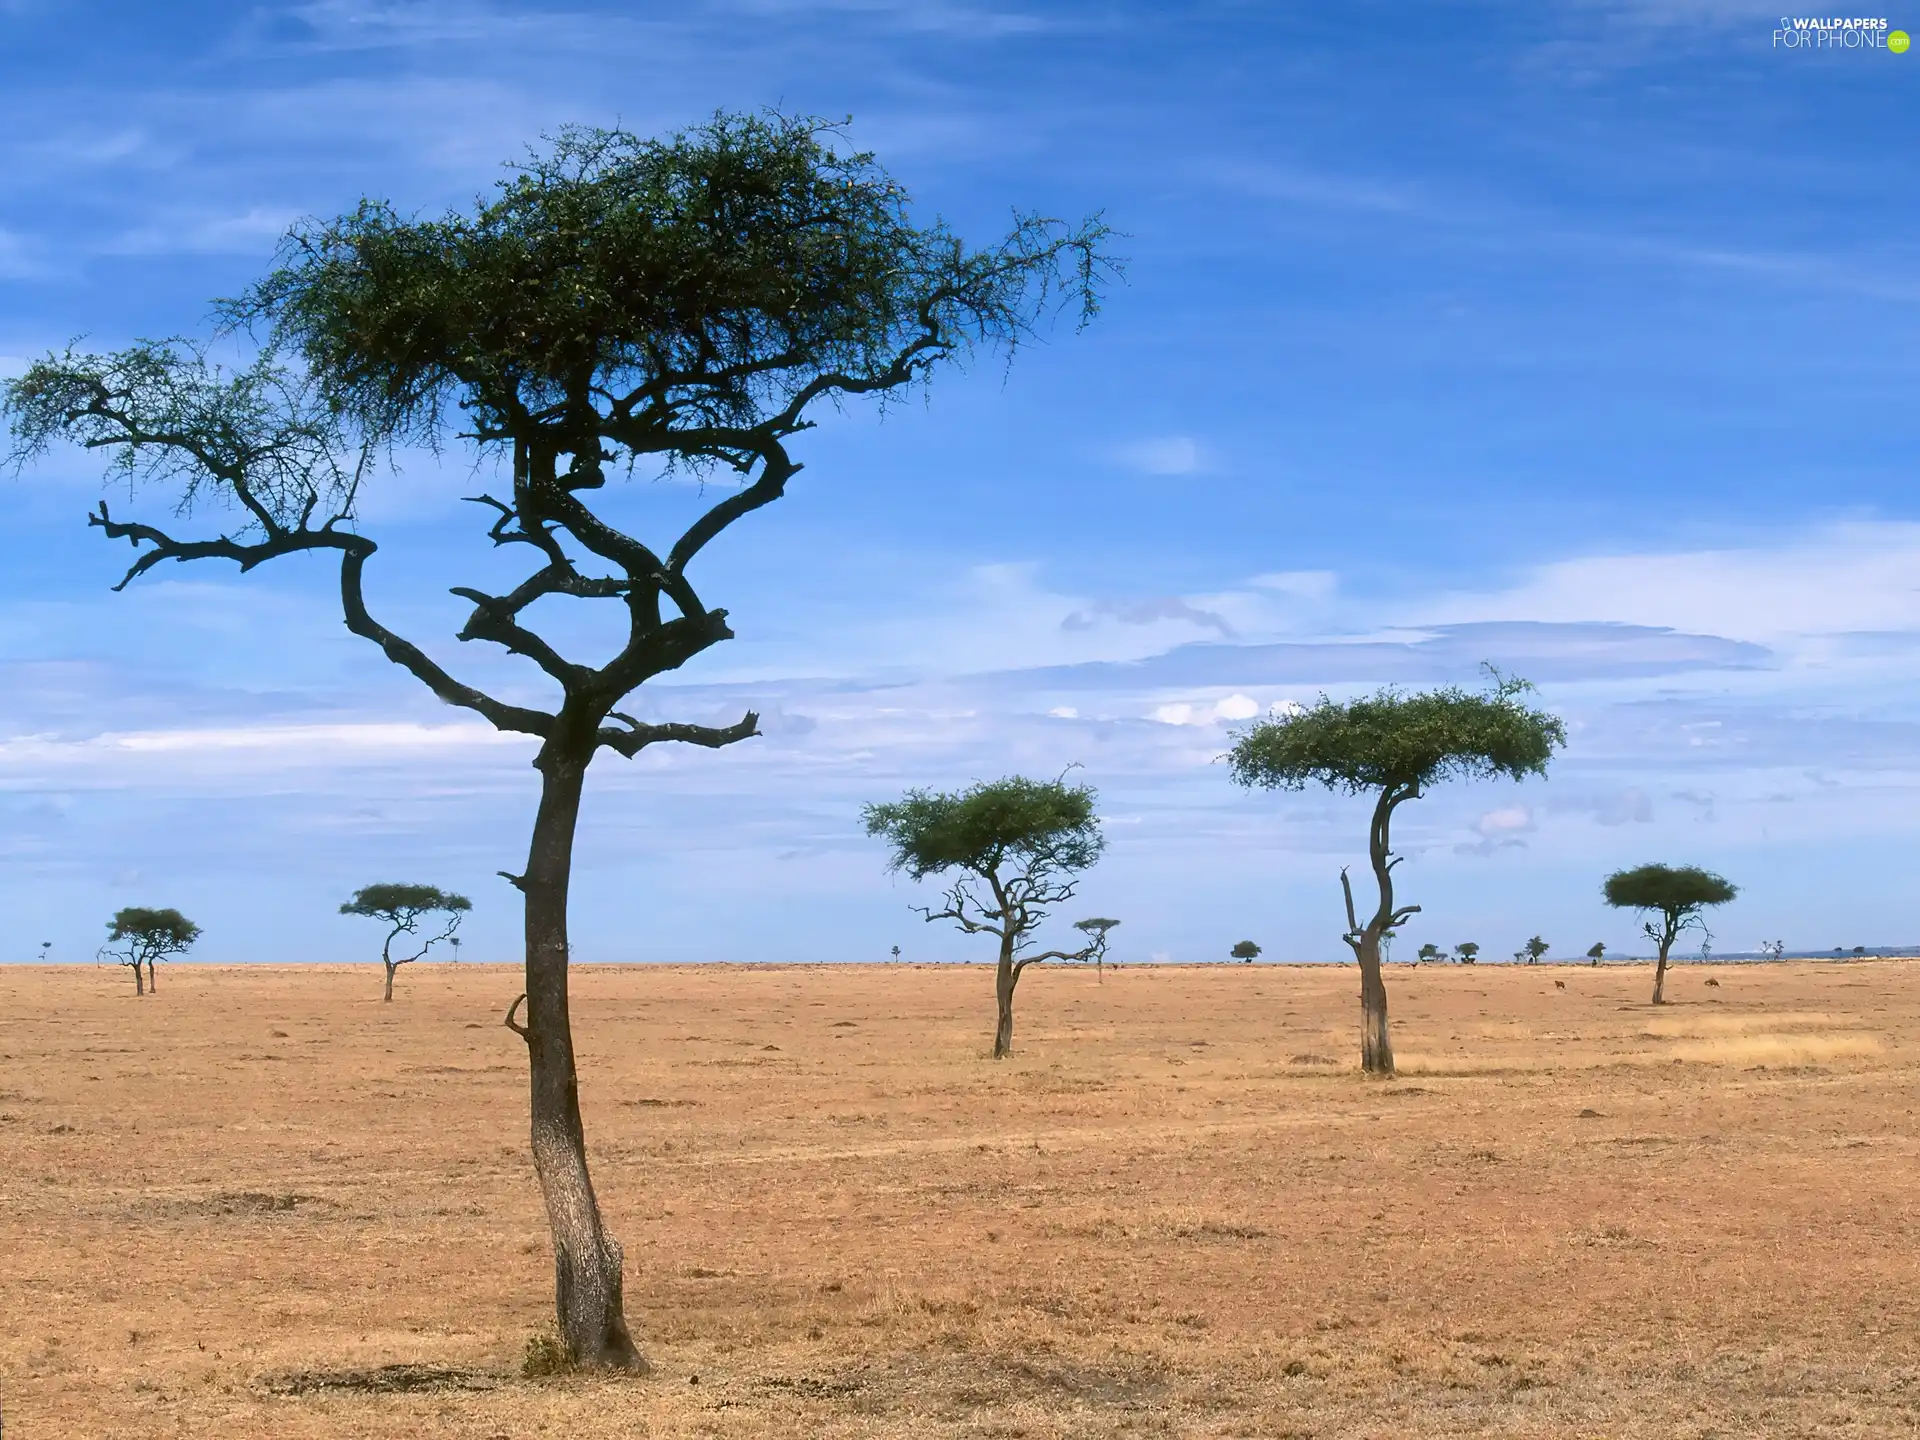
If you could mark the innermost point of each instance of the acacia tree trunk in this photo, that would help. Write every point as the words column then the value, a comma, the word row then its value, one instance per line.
column 1660, row 975
column 1376, row 1048
column 586, row 1259
column 153, row 985
column 1004, row 979
column 139, row 985
column 391, row 967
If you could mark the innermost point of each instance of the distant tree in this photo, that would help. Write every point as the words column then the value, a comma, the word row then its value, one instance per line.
column 1025, row 841
column 1671, row 899
column 46, row 949
column 454, row 941
column 1598, row 952
column 402, row 908
column 1534, row 950
column 1095, row 928
column 1429, row 953
column 1772, row 949
column 686, row 305
column 1245, row 950
column 1467, row 952
column 1394, row 746
column 1859, row 949
column 896, row 954
column 145, row 936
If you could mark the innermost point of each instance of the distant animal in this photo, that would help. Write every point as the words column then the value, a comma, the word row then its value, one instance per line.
column 1559, row 984
column 1714, row 983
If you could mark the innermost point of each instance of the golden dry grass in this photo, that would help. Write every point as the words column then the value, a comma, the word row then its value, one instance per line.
column 1176, row 1211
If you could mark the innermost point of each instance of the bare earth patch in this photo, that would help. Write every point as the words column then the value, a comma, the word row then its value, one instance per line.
column 263, row 1203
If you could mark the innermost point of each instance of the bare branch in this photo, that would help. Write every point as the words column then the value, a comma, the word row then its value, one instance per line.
column 638, row 736
column 511, row 1023
column 412, row 658
column 1346, row 888
column 519, row 882
column 246, row 555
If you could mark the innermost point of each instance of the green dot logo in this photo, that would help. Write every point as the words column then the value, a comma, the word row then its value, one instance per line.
column 1897, row 41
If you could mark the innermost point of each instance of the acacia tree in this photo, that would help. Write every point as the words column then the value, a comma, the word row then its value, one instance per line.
column 1467, row 952
column 1598, row 952
column 147, row 935
column 1095, row 928
column 1394, row 746
column 1026, row 841
column 1430, row 953
column 1245, row 950
column 681, row 305
column 1671, row 899
column 401, row 908
column 1534, row 950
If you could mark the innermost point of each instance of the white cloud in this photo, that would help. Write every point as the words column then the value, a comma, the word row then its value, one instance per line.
column 1161, row 455
column 1850, row 576
column 292, row 743
column 1234, row 707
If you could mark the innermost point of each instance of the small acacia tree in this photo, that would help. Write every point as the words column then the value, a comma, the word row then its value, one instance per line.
column 1430, row 953
column 1024, row 841
column 687, row 305
column 1245, row 950
column 1598, row 952
column 1534, row 950
column 145, row 935
column 1672, row 899
column 401, row 908
column 1395, row 747
column 1095, row 928
column 1466, row 952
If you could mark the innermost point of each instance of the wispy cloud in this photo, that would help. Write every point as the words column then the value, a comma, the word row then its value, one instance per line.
column 1161, row 455
column 1147, row 612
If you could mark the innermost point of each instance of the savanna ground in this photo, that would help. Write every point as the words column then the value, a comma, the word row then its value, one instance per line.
column 237, row 1207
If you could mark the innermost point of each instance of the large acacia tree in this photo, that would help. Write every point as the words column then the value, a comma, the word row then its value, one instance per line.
column 1395, row 747
column 620, row 303
column 1015, row 849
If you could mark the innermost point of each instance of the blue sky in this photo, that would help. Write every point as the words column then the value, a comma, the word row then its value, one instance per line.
column 1580, row 337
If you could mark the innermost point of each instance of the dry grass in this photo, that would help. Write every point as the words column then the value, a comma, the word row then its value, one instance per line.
column 262, row 1203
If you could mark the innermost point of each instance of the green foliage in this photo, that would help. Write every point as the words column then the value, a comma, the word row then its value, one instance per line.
column 706, row 276
column 1598, row 951
column 153, row 932
column 165, row 413
column 147, row 935
column 1095, row 926
column 1467, row 951
column 1431, row 953
column 1244, row 950
column 1393, row 740
column 396, row 903
column 1034, row 824
column 1534, row 949
column 1677, row 891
